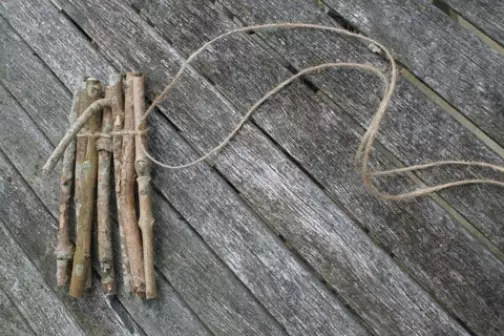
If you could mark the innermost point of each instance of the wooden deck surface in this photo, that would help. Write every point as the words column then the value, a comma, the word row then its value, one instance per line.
column 276, row 235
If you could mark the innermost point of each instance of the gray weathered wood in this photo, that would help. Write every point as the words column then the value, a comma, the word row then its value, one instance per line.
column 11, row 320
column 193, row 274
column 319, row 306
column 454, row 62
column 485, row 14
column 95, row 32
column 19, row 74
column 36, row 301
column 245, row 80
column 414, row 130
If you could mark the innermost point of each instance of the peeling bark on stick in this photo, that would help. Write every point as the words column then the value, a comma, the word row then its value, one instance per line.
column 142, row 166
column 65, row 248
column 105, row 250
column 116, row 90
column 86, row 169
column 127, row 196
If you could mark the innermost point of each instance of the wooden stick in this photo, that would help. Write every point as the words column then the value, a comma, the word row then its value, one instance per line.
column 115, row 88
column 65, row 248
column 105, row 251
column 127, row 197
column 85, row 192
column 142, row 166
column 80, row 157
column 95, row 107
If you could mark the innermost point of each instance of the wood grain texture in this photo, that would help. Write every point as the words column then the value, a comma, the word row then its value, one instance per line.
column 414, row 130
column 485, row 14
column 45, row 313
column 11, row 320
column 201, row 126
column 227, row 310
column 254, row 72
column 250, row 78
column 454, row 62
column 54, row 34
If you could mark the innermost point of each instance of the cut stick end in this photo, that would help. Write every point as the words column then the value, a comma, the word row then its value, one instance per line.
column 139, row 291
column 151, row 295
column 48, row 167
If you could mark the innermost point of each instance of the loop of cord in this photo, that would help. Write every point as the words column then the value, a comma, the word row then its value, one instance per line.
column 363, row 151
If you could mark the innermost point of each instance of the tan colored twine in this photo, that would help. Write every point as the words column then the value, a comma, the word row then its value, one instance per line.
column 111, row 134
column 364, row 150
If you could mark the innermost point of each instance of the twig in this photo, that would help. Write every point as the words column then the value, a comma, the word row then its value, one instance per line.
column 92, row 109
column 142, row 166
column 115, row 88
column 86, row 191
column 105, row 252
column 127, row 196
column 65, row 248
column 84, row 101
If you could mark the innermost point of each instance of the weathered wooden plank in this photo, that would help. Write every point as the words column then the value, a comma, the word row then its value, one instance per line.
column 11, row 320
column 44, row 312
column 485, row 14
column 93, row 30
column 308, row 311
column 415, row 129
column 253, row 86
column 20, row 75
column 54, row 34
column 208, row 286
column 453, row 61
column 230, row 309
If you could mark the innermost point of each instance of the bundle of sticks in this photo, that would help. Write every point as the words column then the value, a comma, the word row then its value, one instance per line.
column 113, row 130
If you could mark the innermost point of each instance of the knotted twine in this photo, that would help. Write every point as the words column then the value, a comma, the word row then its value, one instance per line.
column 363, row 152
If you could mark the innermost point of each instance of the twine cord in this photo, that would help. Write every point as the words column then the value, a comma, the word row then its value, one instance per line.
column 364, row 150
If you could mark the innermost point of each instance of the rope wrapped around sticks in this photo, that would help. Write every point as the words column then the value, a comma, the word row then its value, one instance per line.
column 363, row 151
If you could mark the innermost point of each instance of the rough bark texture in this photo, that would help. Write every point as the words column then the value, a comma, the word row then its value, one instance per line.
column 116, row 92
column 64, row 247
column 86, row 194
column 142, row 167
column 104, row 147
column 127, row 195
column 485, row 14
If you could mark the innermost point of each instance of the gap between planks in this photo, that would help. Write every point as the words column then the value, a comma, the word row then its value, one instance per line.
column 426, row 90
column 444, row 204
column 154, row 27
column 473, row 28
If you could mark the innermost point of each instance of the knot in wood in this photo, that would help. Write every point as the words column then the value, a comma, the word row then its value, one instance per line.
column 104, row 143
column 142, row 168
